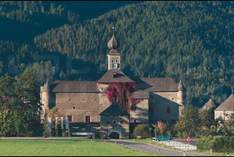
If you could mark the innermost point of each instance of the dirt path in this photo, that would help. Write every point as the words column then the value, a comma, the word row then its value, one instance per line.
column 154, row 149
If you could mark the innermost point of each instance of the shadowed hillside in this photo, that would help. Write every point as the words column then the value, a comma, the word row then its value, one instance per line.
column 189, row 41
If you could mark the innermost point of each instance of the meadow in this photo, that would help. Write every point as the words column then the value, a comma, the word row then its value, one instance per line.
column 64, row 148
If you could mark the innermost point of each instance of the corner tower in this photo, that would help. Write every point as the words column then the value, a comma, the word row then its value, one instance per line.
column 180, row 96
column 44, row 96
column 113, row 57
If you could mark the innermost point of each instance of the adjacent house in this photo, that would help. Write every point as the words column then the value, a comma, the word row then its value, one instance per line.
column 225, row 109
column 209, row 105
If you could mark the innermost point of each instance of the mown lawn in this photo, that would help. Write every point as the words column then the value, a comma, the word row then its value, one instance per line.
column 63, row 148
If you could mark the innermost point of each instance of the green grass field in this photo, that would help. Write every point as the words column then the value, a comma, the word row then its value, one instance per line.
column 63, row 148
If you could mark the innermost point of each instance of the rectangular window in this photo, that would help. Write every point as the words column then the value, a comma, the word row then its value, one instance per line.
column 87, row 119
column 69, row 118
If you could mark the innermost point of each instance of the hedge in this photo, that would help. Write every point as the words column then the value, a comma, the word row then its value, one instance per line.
column 218, row 144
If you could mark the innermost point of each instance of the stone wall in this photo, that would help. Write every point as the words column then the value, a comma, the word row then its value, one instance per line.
column 80, row 105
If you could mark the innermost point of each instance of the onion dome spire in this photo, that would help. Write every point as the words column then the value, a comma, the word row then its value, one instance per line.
column 112, row 43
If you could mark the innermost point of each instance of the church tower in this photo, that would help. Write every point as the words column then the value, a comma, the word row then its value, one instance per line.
column 113, row 57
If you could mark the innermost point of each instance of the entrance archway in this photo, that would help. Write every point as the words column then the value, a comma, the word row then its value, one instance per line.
column 114, row 135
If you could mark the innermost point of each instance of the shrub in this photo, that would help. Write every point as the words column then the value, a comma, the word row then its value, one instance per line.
column 223, row 144
column 204, row 143
column 218, row 144
column 141, row 130
column 46, row 129
column 162, row 127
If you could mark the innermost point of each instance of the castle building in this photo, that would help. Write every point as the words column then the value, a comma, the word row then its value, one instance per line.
column 117, row 103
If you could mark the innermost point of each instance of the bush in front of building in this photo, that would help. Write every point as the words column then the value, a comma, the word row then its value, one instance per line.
column 218, row 144
column 223, row 144
column 100, row 134
column 141, row 131
column 46, row 129
column 204, row 143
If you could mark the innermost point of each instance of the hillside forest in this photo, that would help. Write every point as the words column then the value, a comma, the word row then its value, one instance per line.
column 188, row 41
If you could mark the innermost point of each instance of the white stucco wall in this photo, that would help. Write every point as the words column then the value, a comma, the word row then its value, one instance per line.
column 223, row 114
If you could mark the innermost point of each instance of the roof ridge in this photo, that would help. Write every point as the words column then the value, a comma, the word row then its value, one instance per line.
column 227, row 104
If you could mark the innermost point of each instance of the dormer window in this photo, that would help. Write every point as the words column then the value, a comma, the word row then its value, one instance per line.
column 116, row 75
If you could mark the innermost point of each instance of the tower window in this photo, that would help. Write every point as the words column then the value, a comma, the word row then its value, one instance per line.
column 73, row 107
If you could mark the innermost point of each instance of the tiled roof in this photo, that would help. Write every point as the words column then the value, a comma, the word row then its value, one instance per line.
column 114, row 75
column 208, row 105
column 161, row 84
column 227, row 105
column 114, row 110
column 146, row 85
column 75, row 87
column 114, row 52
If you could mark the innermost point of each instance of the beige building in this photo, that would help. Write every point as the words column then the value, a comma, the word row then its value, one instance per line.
column 225, row 109
column 143, row 101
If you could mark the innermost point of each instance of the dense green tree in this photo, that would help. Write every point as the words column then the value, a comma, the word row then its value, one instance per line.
column 189, row 122
column 207, row 122
column 19, row 105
